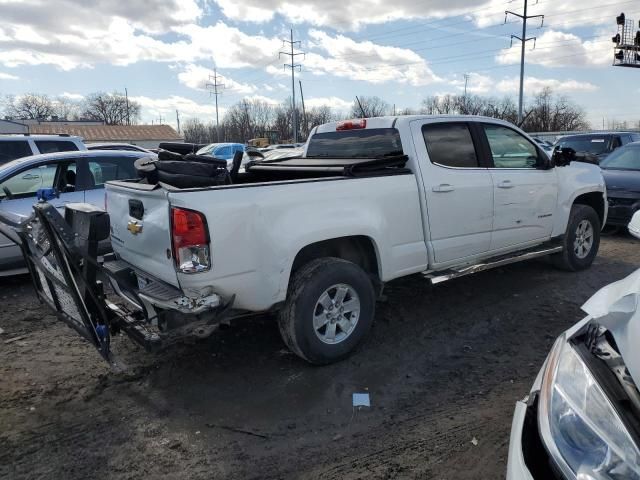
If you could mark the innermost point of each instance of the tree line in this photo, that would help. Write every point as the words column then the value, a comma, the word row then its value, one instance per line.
column 545, row 112
column 109, row 108
column 251, row 118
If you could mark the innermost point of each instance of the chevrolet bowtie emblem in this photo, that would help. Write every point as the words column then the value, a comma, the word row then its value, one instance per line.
column 134, row 227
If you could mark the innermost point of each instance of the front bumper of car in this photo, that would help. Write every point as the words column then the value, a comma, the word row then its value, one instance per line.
column 621, row 209
column 563, row 428
column 528, row 459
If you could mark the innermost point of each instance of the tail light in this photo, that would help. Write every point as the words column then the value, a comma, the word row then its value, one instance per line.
column 352, row 124
column 190, row 239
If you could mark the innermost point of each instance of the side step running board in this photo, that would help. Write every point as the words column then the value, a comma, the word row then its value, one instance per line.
column 444, row 275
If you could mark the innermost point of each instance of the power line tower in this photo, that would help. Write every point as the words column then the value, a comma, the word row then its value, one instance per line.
column 292, row 55
column 213, row 87
column 523, row 39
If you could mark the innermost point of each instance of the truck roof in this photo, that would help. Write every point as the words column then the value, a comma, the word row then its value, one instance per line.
column 403, row 120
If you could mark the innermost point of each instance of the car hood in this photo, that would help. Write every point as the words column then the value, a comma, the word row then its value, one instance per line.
column 616, row 307
column 622, row 180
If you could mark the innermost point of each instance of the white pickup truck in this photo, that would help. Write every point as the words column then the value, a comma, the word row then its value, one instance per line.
column 315, row 238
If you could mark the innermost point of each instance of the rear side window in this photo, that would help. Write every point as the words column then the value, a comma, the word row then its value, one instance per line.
column 51, row 146
column 12, row 149
column 366, row 143
column 105, row 169
column 450, row 145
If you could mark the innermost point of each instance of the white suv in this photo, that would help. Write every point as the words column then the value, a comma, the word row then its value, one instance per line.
column 18, row 146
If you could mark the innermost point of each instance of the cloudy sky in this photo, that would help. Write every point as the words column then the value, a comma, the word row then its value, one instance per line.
column 163, row 51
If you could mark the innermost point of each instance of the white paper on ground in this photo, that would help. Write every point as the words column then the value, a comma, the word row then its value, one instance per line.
column 361, row 400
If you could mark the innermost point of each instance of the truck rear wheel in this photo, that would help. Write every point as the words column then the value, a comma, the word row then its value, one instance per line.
column 581, row 240
column 329, row 310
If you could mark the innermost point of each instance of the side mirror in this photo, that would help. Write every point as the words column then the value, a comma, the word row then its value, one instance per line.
column 543, row 162
column 563, row 156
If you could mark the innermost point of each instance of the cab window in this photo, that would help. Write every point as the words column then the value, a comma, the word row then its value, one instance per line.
column 509, row 149
column 53, row 146
column 24, row 184
column 105, row 169
column 12, row 149
column 450, row 145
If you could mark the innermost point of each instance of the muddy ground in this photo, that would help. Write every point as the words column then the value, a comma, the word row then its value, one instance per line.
column 442, row 366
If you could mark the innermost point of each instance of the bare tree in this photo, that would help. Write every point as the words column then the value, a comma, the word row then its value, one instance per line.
column 111, row 108
column 30, row 106
column 195, row 131
column 549, row 113
column 371, row 107
column 66, row 109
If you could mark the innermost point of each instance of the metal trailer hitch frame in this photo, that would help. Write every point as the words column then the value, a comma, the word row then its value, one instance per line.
column 61, row 254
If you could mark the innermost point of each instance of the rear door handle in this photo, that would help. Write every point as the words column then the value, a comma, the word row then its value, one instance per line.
column 505, row 184
column 443, row 187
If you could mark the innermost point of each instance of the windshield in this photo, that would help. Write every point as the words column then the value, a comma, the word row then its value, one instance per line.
column 592, row 144
column 373, row 142
column 623, row 159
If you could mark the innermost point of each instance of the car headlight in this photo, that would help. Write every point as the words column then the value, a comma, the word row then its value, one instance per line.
column 579, row 425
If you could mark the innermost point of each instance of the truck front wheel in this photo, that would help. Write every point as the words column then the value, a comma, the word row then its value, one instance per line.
column 581, row 240
column 329, row 310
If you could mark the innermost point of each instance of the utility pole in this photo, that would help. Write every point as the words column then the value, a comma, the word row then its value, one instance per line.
column 214, row 85
column 466, row 81
column 523, row 39
column 361, row 109
column 126, row 96
column 304, row 112
column 293, row 67
column 178, row 121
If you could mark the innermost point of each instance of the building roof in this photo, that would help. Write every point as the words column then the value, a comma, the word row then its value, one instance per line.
column 111, row 133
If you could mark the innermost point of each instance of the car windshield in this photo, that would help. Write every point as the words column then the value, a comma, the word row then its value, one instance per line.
column 373, row 142
column 207, row 149
column 591, row 144
column 623, row 159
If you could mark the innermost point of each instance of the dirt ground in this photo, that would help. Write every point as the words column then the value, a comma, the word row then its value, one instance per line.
column 442, row 366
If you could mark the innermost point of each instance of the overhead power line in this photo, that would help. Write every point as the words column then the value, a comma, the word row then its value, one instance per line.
column 523, row 40
column 292, row 55
column 214, row 85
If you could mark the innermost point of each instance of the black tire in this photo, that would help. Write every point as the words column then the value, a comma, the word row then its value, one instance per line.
column 569, row 260
column 307, row 286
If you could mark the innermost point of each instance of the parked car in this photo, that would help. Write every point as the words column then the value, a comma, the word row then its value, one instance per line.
column 279, row 146
column 597, row 145
column 621, row 172
column 634, row 225
column 580, row 420
column 76, row 176
column 545, row 145
column 117, row 146
column 183, row 148
column 224, row 151
column 18, row 146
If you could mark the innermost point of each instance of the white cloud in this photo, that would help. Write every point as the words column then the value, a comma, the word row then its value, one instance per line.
column 154, row 107
column 8, row 76
column 336, row 103
column 197, row 77
column 262, row 98
column 343, row 15
column 533, row 84
column 367, row 61
column 477, row 83
column 559, row 49
column 72, row 96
